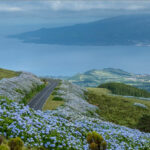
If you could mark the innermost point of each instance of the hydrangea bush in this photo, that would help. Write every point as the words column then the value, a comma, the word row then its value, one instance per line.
column 17, row 87
column 37, row 128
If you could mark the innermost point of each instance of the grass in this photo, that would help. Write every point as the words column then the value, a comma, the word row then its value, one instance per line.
column 99, row 91
column 51, row 104
column 8, row 73
column 54, row 100
column 117, row 109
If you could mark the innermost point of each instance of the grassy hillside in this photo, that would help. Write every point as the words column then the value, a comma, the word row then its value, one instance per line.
column 94, row 78
column 117, row 109
column 7, row 73
column 123, row 89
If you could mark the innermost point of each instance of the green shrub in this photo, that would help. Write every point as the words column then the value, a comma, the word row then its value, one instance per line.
column 16, row 144
column 1, row 140
column 57, row 88
column 58, row 99
column 41, row 148
column 54, row 93
column 19, row 91
column 144, row 123
column 4, row 147
column 96, row 141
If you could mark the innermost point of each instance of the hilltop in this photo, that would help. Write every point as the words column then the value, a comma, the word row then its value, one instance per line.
column 94, row 78
column 4, row 73
column 120, row 30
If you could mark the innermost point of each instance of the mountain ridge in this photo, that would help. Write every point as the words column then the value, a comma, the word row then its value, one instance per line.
column 120, row 30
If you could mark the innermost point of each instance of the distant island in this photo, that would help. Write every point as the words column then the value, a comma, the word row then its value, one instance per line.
column 94, row 78
column 120, row 30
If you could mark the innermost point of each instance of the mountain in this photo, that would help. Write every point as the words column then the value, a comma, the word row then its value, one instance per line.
column 120, row 30
column 94, row 78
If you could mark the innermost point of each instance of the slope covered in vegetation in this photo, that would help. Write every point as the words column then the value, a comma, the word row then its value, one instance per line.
column 123, row 89
column 117, row 109
column 20, row 87
column 7, row 73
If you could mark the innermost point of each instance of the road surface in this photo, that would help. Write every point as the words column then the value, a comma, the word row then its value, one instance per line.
column 38, row 101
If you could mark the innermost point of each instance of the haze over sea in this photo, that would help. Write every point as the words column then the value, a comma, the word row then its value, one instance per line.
column 43, row 59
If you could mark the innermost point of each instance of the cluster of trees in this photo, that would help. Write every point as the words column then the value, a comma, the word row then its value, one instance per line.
column 123, row 89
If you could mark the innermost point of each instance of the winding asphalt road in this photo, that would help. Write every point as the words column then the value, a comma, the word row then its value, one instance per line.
column 38, row 101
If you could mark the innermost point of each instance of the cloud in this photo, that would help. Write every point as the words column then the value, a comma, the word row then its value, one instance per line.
column 77, row 5
column 72, row 5
column 7, row 8
column 135, row 7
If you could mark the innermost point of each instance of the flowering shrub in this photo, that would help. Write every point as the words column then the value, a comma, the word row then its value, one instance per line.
column 48, row 129
column 16, row 88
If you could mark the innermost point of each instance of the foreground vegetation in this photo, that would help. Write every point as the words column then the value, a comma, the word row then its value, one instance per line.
column 118, row 109
column 123, row 89
column 95, row 140
column 55, row 132
column 8, row 73
column 15, row 144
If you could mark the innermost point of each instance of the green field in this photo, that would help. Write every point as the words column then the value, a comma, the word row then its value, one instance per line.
column 8, row 73
column 52, row 104
column 117, row 109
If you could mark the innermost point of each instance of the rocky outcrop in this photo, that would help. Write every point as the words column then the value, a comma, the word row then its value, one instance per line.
column 140, row 105
column 15, row 88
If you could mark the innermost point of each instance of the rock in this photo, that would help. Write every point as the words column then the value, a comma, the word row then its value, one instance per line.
column 140, row 105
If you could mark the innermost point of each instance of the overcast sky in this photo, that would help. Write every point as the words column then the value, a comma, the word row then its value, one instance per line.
column 72, row 5
column 47, row 11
